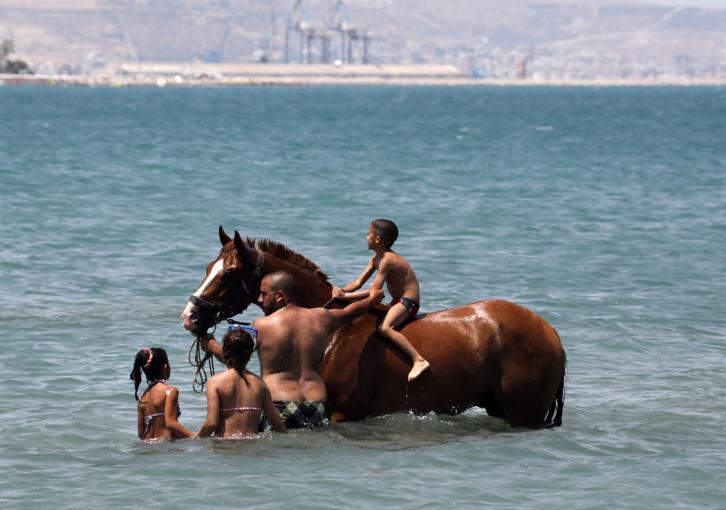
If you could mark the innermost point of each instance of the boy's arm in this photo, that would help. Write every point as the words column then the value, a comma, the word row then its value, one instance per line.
column 349, row 296
column 171, row 405
column 377, row 284
column 353, row 310
column 381, row 276
column 347, row 291
column 210, row 423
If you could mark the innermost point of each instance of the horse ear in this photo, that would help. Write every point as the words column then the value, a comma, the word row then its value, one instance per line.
column 223, row 237
column 241, row 250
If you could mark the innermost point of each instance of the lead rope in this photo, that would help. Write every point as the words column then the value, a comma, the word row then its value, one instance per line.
column 200, row 377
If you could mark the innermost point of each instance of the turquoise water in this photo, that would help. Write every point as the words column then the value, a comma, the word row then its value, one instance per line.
column 604, row 210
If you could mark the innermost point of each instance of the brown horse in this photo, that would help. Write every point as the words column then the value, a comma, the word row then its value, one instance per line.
column 491, row 354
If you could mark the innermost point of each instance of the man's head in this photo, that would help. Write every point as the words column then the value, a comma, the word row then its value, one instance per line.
column 276, row 290
column 386, row 230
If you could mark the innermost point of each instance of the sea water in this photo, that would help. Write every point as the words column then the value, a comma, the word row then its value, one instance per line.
column 601, row 209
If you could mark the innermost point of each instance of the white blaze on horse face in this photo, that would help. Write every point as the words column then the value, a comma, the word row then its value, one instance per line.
column 216, row 269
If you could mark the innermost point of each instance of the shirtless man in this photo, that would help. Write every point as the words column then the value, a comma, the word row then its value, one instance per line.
column 291, row 345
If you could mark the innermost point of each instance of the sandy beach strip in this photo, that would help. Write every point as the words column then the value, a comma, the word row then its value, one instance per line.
column 178, row 80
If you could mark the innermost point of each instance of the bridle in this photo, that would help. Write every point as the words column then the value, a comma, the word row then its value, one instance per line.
column 250, row 290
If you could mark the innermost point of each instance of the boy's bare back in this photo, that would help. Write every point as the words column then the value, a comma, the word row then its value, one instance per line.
column 398, row 275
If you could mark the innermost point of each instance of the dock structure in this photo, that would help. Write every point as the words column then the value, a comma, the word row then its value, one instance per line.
column 314, row 39
column 308, row 34
column 8, row 65
column 285, row 73
column 227, row 74
column 352, row 39
column 6, row 49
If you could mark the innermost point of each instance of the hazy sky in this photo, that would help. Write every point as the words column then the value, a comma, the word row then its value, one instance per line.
column 693, row 3
column 682, row 3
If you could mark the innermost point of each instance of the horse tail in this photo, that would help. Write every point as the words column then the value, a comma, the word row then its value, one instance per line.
column 554, row 415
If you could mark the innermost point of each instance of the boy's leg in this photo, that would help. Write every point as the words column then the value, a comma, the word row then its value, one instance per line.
column 394, row 318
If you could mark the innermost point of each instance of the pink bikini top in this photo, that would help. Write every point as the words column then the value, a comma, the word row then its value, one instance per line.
column 149, row 418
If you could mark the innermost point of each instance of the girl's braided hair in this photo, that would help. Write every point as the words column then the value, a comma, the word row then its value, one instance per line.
column 151, row 360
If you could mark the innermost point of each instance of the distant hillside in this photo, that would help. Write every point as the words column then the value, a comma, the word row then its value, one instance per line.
column 613, row 38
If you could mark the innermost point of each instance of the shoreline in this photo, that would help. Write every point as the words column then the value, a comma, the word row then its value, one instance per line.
column 333, row 80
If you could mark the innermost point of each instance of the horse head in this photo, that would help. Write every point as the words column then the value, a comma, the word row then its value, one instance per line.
column 231, row 283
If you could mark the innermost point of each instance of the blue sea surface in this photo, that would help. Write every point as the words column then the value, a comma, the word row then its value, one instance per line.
column 601, row 209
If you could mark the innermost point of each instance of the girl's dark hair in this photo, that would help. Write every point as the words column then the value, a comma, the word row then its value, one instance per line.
column 237, row 347
column 387, row 230
column 151, row 361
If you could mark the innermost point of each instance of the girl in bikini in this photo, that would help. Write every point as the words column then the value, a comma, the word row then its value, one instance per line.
column 237, row 398
column 158, row 410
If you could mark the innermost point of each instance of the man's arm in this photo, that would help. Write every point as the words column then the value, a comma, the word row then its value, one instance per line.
column 209, row 344
column 353, row 310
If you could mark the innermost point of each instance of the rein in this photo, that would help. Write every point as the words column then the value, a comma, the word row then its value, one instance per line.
column 219, row 313
column 200, row 377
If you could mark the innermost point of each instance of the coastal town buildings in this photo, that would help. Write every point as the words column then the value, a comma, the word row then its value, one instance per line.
column 522, row 40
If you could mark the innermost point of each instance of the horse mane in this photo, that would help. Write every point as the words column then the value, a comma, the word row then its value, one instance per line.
column 285, row 254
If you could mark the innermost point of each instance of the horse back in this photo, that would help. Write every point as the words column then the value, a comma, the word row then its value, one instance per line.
column 470, row 347
column 488, row 353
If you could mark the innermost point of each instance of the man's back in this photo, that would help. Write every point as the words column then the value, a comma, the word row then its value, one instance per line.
column 291, row 348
